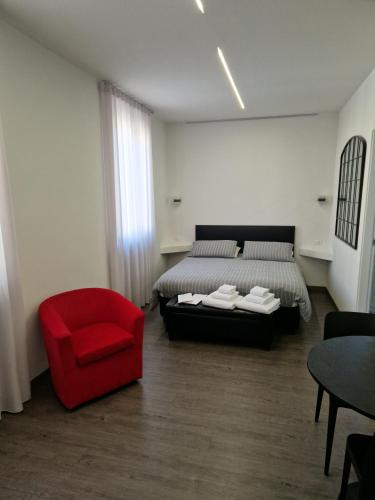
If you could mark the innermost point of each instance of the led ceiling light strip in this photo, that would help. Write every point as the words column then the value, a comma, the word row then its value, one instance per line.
column 230, row 77
column 200, row 5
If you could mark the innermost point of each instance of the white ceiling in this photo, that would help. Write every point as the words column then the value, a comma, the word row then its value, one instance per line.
column 286, row 56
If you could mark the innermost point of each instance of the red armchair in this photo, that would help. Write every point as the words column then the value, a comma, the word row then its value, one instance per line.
column 94, row 341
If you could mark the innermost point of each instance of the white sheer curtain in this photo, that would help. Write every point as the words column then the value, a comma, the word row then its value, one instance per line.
column 14, row 375
column 129, row 200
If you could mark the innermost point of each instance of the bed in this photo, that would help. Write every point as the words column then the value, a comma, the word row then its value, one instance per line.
column 204, row 275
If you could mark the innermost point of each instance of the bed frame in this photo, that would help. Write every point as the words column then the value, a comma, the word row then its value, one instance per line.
column 241, row 234
column 287, row 317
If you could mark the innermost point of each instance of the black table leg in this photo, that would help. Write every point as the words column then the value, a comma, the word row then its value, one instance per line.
column 333, row 406
column 318, row 402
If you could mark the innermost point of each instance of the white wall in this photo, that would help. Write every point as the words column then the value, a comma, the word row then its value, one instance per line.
column 255, row 172
column 50, row 116
column 357, row 117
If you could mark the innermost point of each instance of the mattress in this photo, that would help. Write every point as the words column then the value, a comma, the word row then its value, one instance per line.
column 204, row 275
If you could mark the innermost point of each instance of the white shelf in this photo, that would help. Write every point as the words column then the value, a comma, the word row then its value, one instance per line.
column 316, row 252
column 176, row 247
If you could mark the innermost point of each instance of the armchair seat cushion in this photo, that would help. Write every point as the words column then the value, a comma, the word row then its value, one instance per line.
column 98, row 341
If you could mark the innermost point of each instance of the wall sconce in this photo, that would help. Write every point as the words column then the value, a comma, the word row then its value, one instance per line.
column 322, row 198
column 176, row 200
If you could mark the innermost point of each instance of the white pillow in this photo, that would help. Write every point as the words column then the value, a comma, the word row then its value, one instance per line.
column 214, row 248
column 268, row 250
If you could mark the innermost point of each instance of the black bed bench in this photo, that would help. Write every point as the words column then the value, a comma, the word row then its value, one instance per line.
column 209, row 323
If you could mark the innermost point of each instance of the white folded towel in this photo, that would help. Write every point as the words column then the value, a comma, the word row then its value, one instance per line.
column 260, row 291
column 260, row 300
column 227, row 288
column 224, row 296
column 220, row 304
column 258, row 308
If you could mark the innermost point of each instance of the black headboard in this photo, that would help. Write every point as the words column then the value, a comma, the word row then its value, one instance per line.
column 246, row 233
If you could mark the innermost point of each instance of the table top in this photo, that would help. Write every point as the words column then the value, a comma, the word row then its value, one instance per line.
column 345, row 367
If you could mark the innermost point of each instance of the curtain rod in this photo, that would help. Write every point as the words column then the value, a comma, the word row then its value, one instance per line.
column 108, row 86
column 250, row 118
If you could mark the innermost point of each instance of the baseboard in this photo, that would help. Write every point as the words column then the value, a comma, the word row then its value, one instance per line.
column 322, row 289
column 39, row 376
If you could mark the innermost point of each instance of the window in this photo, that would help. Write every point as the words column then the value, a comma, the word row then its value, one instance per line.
column 352, row 165
column 127, row 161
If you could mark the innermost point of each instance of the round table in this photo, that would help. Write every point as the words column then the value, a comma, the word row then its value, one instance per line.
column 345, row 368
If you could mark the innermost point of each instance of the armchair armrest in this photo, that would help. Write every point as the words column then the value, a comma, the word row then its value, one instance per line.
column 128, row 315
column 58, row 338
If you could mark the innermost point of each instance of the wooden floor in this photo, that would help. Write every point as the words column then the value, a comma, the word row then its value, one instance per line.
column 206, row 422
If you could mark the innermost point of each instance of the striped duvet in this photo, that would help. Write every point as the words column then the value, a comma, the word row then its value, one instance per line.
column 204, row 275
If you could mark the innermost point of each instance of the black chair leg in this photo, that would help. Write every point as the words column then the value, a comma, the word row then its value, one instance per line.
column 318, row 403
column 345, row 476
column 330, row 431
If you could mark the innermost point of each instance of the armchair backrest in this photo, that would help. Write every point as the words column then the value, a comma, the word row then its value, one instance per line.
column 342, row 324
column 79, row 308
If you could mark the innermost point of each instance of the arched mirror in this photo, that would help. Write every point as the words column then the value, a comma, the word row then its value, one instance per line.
column 352, row 166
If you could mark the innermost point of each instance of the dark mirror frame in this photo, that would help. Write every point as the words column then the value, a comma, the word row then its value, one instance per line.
column 349, row 196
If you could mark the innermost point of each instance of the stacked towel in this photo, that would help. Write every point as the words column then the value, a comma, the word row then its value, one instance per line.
column 223, row 298
column 220, row 304
column 269, row 308
column 229, row 289
column 259, row 291
column 260, row 300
